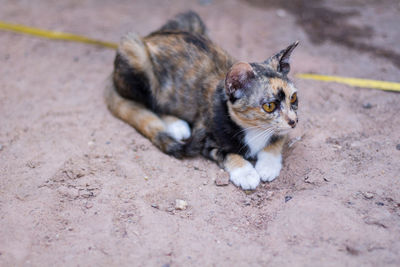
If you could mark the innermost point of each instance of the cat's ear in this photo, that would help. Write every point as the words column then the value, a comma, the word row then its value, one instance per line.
column 238, row 80
column 280, row 61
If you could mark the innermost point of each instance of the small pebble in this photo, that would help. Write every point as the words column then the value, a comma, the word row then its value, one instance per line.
column 154, row 206
column 90, row 143
column 269, row 194
column 368, row 195
column 222, row 180
column 180, row 204
column 397, row 147
column 287, row 198
column 352, row 250
column 281, row 13
column 380, row 203
column 367, row 105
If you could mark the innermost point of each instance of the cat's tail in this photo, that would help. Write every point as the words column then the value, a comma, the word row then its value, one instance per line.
column 150, row 125
column 188, row 21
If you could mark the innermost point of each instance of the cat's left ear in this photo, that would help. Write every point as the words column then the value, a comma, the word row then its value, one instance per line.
column 280, row 61
column 238, row 80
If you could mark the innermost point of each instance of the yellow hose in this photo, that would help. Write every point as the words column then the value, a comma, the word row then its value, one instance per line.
column 54, row 35
column 365, row 83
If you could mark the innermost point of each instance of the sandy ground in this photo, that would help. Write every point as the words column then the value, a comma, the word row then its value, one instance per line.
column 79, row 187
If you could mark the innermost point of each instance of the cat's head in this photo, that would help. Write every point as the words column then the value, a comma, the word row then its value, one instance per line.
column 261, row 95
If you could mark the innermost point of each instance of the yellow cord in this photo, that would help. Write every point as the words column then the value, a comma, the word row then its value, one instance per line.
column 54, row 35
column 381, row 85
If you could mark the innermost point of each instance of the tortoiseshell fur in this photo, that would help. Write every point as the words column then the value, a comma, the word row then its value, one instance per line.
column 177, row 73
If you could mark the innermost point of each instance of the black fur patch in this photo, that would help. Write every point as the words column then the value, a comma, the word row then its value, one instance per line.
column 132, row 84
column 229, row 136
column 197, row 40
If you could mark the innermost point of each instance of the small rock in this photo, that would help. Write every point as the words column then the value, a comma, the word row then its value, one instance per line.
column 380, row 203
column 397, row 147
column 368, row 195
column 281, row 13
column 170, row 209
column 269, row 194
column 352, row 250
column 155, row 206
column 180, row 204
column 287, row 198
column 88, row 205
column 367, row 105
column 222, row 179
column 31, row 164
column 90, row 143
column 67, row 192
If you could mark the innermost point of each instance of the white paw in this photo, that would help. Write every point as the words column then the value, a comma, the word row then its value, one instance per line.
column 246, row 177
column 268, row 166
column 179, row 130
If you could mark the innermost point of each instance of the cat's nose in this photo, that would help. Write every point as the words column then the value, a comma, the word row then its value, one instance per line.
column 292, row 123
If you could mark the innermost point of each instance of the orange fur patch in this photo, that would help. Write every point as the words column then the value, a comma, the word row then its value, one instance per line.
column 234, row 161
column 275, row 148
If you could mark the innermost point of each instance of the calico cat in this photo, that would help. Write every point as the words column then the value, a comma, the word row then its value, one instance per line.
column 189, row 97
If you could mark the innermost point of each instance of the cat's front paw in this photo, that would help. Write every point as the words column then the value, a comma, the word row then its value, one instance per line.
column 246, row 177
column 268, row 166
column 179, row 130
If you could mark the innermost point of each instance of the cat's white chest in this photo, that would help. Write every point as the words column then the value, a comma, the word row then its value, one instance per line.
column 256, row 140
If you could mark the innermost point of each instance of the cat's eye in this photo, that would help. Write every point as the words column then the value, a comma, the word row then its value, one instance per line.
column 269, row 107
column 293, row 98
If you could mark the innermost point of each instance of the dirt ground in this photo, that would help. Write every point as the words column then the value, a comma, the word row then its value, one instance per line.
column 80, row 188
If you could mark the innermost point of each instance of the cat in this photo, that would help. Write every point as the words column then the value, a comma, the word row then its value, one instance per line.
column 189, row 97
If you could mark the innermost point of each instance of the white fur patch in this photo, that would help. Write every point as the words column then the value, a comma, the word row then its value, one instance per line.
column 268, row 165
column 246, row 177
column 256, row 140
column 179, row 130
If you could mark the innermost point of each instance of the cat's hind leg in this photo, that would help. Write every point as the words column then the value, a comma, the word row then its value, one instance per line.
column 144, row 121
column 188, row 21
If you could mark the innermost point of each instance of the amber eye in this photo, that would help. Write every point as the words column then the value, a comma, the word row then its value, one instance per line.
column 293, row 98
column 269, row 107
